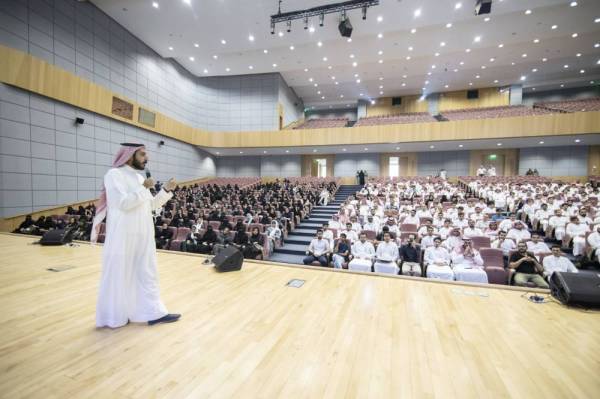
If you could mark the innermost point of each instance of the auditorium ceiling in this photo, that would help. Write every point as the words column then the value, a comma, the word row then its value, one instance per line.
column 404, row 47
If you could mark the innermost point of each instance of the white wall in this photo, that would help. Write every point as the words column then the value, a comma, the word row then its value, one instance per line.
column 456, row 163
column 263, row 166
column 554, row 161
column 280, row 166
column 346, row 165
column 293, row 107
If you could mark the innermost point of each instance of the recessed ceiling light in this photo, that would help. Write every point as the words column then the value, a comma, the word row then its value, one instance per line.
column 536, row 40
column 477, row 39
column 573, row 4
column 343, row 149
column 486, row 19
column 381, row 87
column 562, row 85
column 319, row 92
column 223, row 41
column 449, row 25
column 461, row 63
column 356, row 75
column 323, row 98
column 578, row 55
column 437, row 54
column 188, row 2
column 442, row 44
column 523, row 78
column 596, row 45
column 287, row 151
column 496, row 81
column 196, row 45
column 433, row 66
column 524, row 55
column 351, row 55
column 154, row 4
column 251, row 38
column 292, row 47
column 499, row 144
column 410, row 48
column 366, row 149
column 317, row 85
column 598, row 62
column 361, row 94
column 455, row 70
column 274, row 65
column 354, row 64
column 241, row 152
column 534, row 70
column 477, row 76
column 227, row 69
column 574, row 35
column 582, row 71
column 566, row 66
column 432, row 146
column 324, row 59
column 403, row 84
column 407, row 57
column 446, row 86
column 380, row 35
column 341, row 96
column 333, row 78
column 527, row 12
column 215, row 56
column 457, row 5
column 460, row 146
column 541, row 142
column 500, row 45
column 428, row 73
column 310, row 79
column 192, row 58
column 218, row 153
column 544, row 59
column 512, row 63
column 554, row 27
column 379, row 18
column 597, row 20
column 329, row 67
column 380, row 52
column 483, row 67
column 311, row 29
column 305, row 69
column 315, row 150
column 397, row 148
column 349, row 40
column 250, row 67
column 380, row 61
column 372, row 102
column 337, row 82
column 381, row 92
column 404, row 76
column 413, row 30
column 492, row 59
column 280, row 34
column 170, row 48
column 357, row 80
column 577, row 140
column 417, row 13
column 265, row 151
column 205, row 70
column 591, row 82
column 381, row 78
column 319, row 44
column 470, row 83
column 468, row 50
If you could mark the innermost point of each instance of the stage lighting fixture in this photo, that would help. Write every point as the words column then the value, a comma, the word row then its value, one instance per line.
column 364, row 12
column 321, row 19
column 483, row 7
column 345, row 26
column 289, row 25
column 305, row 23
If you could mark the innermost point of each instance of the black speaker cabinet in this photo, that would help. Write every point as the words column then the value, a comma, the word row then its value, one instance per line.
column 576, row 288
column 229, row 259
column 57, row 237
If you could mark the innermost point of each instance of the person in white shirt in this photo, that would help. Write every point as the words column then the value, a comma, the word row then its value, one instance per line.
column 499, row 198
column 584, row 218
column 328, row 235
column 412, row 218
column 594, row 240
column 559, row 223
column 509, row 223
column 424, row 228
column 518, row 233
column 504, row 243
column 481, row 171
column 454, row 240
column 351, row 234
column 446, row 229
column 334, row 223
column 371, row 225
column 318, row 250
column 386, row 256
column 467, row 264
column 362, row 255
column 355, row 224
column 199, row 225
column 461, row 222
column 392, row 226
column 542, row 216
column 537, row 246
column 491, row 171
column 437, row 261
column 557, row 263
column 492, row 230
column 428, row 239
column 577, row 231
column 471, row 230
column 324, row 197
column 273, row 234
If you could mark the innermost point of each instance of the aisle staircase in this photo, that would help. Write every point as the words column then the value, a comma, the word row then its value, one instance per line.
column 294, row 249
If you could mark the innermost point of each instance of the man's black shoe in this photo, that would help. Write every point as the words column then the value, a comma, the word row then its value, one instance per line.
column 170, row 318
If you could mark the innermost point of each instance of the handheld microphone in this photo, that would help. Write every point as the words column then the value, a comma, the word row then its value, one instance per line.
column 148, row 175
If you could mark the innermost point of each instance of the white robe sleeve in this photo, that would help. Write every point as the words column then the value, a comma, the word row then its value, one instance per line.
column 115, row 188
column 160, row 199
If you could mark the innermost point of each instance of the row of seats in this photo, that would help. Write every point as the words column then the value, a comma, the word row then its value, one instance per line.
column 415, row 117
column 492, row 112
column 323, row 123
column 585, row 105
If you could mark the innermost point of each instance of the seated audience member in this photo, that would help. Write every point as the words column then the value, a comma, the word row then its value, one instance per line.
column 437, row 261
column 410, row 219
column 240, row 240
column 527, row 267
column 256, row 243
column 274, row 235
column 191, row 243
column 328, row 235
column 224, row 239
column 163, row 236
column 27, row 226
column 341, row 252
column 508, row 224
column 409, row 256
column 559, row 223
column 427, row 240
column 467, row 263
column 557, row 262
column 318, row 250
column 371, row 225
column 542, row 215
column 351, row 234
column 594, row 240
column 505, row 244
column 356, row 225
column 492, row 230
column 454, row 240
column 392, row 226
column 577, row 231
column 446, row 229
column 537, row 246
column 386, row 256
column 363, row 253
column 207, row 241
column 334, row 223
column 200, row 224
column 518, row 233
column 461, row 221
column 471, row 230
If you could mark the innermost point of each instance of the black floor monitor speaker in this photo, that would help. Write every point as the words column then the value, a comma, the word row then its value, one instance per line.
column 576, row 288
column 57, row 237
column 229, row 259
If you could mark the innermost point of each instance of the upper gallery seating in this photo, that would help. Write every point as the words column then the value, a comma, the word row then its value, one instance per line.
column 323, row 123
column 492, row 112
column 414, row 117
column 588, row 104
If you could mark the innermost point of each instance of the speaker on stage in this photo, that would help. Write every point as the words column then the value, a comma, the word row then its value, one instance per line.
column 229, row 259
column 57, row 237
column 576, row 288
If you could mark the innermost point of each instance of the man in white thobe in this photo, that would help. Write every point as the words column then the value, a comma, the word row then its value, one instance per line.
column 594, row 240
column 557, row 263
column 363, row 253
column 577, row 231
column 467, row 264
column 129, row 283
column 437, row 261
column 559, row 223
column 386, row 256
column 519, row 233
column 537, row 246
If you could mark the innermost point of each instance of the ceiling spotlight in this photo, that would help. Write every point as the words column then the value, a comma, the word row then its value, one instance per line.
column 534, row 70
column 321, row 19
column 403, row 84
column 578, row 55
column 541, row 142
column 536, row 40
column 554, row 27
column 410, row 48
column 292, row 47
column 582, row 71
column 380, row 35
column 379, row 18
column 477, row 39
column 499, row 144
column 205, row 70
column 280, row 34
column 596, row 45
column 354, row 64
column 500, row 45
column 417, row 13
column 192, row 58
column 289, row 25
column 432, row 146
column 468, row 50
column 544, row 59
column 486, row 19
column 577, row 141
column 324, row 59
column 477, row 76
column 437, row 54
column 251, row 38
column 524, row 55
column 442, row 44
column 492, row 59
column 381, row 78
column 413, row 30
column 462, row 63
column 351, row 56
column 357, row 80
column 566, row 66
column 573, row 4
column 496, row 81
column 311, row 29
column 320, row 44
column 527, row 12
column 366, row 149
column 523, row 78
column 223, row 41
column 274, row 65
column 170, row 48
column 407, row 57
column 250, row 67
column 154, row 4
column 380, row 61
column 215, row 56
column 457, row 5
column 329, row 67
column 380, row 52
column 227, row 69
column 196, row 45
column 349, row 40
column 449, row 25
column 470, row 83
column 460, row 146
column 562, row 85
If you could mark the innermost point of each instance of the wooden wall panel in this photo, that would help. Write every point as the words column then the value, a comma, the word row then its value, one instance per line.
column 490, row 97
column 30, row 73
column 407, row 163
column 383, row 106
column 510, row 156
column 594, row 160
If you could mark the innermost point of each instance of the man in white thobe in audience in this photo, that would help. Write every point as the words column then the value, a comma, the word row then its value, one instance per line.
column 371, row 225
column 437, row 261
column 328, row 235
column 504, row 243
column 577, row 231
column 362, row 253
column 518, row 233
column 594, row 240
column 557, row 262
column 537, row 246
column 129, row 283
column 559, row 223
column 467, row 264
column 351, row 234
column 471, row 230
column 386, row 256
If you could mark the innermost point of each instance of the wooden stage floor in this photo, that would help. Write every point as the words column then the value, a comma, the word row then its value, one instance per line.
column 247, row 335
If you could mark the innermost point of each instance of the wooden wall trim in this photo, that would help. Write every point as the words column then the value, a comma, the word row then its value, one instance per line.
column 30, row 73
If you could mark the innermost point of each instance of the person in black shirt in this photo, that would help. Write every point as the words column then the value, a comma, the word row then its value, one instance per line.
column 527, row 268
column 341, row 253
column 410, row 257
column 255, row 246
column 162, row 236
column 26, row 227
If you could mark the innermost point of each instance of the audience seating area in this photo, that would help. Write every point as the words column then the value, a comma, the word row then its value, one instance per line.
column 416, row 117
column 492, row 112
column 323, row 123
column 585, row 105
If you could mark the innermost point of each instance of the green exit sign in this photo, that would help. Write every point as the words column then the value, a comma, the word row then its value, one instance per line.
column 492, row 157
